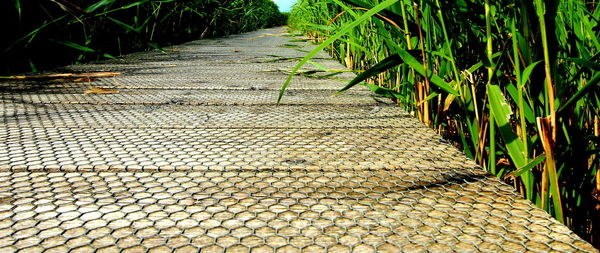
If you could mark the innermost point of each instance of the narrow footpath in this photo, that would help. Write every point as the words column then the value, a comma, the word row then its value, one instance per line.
column 187, row 149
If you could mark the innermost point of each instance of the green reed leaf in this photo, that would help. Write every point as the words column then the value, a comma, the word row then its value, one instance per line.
column 502, row 114
column 418, row 67
column 527, row 167
column 76, row 46
column 345, row 29
column 382, row 66
column 591, row 84
column 99, row 4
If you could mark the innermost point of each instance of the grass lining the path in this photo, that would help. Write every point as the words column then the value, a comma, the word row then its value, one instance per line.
column 513, row 83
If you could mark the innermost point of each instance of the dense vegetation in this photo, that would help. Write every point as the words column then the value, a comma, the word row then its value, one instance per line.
column 513, row 83
column 40, row 34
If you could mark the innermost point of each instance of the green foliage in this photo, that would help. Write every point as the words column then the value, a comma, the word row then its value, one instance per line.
column 513, row 83
column 41, row 34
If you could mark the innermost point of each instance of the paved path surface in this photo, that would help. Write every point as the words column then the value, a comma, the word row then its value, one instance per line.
column 193, row 153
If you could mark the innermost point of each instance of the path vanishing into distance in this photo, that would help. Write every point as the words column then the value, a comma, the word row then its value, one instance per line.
column 187, row 149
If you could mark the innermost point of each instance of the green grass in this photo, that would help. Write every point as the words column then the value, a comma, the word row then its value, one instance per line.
column 513, row 83
column 42, row 34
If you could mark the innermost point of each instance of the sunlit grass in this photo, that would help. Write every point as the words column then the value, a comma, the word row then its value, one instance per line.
column 514, row 84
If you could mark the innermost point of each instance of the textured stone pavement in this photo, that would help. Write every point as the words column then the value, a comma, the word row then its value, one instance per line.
column 193, row 153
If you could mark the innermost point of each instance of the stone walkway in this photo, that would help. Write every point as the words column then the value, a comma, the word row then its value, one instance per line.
column 192, row 152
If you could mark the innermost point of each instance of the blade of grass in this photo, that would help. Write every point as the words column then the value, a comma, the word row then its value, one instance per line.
column 526, row 168
column 76, row 46
column 591, row 84
column 502, row 114
column 331, row 39
column 382, row 66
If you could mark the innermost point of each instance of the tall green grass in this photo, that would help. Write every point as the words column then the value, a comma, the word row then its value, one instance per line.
column 40, row 34
column 513, row 83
